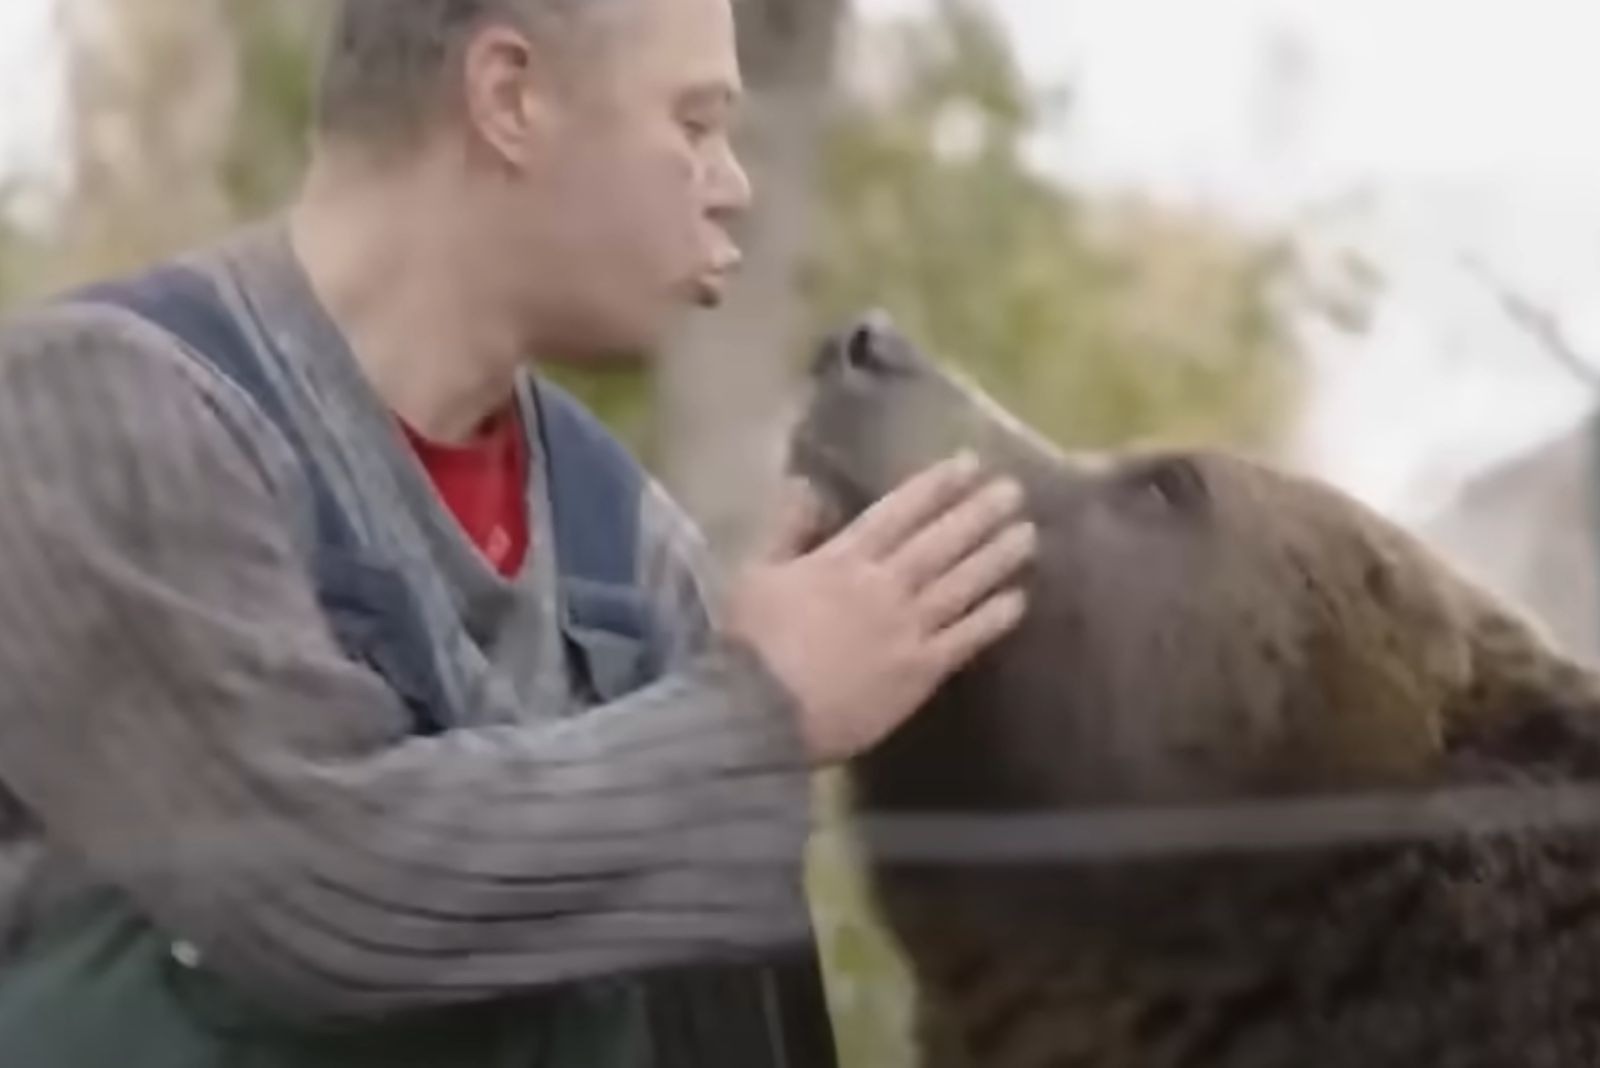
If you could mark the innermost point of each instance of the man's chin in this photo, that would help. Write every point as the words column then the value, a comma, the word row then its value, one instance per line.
column 605, row 345
column 628, row 342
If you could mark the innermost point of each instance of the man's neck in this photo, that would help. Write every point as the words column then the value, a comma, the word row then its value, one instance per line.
column 387, row 256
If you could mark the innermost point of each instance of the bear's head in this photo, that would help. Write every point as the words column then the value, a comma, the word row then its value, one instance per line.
column 1208, row 635
column 1203, row 626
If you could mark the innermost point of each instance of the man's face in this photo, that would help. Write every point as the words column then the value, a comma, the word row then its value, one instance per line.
column 638, row 184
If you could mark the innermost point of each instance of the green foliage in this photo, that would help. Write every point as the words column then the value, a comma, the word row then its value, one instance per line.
column 869, row 984
column 1097, row 322
column 276, row 72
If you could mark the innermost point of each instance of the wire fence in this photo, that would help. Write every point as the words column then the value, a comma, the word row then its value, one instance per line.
column 1143, row 833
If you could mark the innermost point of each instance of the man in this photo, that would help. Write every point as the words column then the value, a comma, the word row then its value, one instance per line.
column 361, row 704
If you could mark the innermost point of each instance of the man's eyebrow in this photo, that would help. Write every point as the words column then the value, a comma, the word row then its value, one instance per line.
column 711, row 94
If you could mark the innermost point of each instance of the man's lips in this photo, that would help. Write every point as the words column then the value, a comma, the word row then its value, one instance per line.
column 711, row 286
column 722, row 258
column 710, row 289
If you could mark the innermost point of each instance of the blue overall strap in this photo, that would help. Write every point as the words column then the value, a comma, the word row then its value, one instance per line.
column 770, row 1015
column 595, row 489
column 372, row 612
column 186, row 304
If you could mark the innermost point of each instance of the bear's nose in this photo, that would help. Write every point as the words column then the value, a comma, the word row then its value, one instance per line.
column 869, row 348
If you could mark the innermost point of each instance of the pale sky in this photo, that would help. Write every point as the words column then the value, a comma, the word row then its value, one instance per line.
column 1469, row 124
column 29, row 86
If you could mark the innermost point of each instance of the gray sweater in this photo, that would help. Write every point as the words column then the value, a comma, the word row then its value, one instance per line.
column 176, row 720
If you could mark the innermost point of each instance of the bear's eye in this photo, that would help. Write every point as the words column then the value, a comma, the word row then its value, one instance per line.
column 1164, row 486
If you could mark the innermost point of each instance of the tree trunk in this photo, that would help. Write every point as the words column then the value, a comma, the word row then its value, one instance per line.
column 151, row 89
column 155, row 94
column 725, row 380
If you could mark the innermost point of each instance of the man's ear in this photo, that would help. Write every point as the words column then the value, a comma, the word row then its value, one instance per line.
column 506, row 92
column 1526, row 706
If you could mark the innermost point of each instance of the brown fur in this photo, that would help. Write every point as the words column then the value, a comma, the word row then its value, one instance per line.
column 1206, row 629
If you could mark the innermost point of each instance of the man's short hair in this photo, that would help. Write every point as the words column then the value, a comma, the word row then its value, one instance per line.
column 386, row 71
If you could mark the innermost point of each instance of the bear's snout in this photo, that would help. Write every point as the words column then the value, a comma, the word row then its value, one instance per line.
column 868, row 350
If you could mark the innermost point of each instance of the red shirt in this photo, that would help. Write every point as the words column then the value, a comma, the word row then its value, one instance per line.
column 484, row 484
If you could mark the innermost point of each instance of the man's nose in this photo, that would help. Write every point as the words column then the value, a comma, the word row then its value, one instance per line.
column 731, row 191
column 866, row 349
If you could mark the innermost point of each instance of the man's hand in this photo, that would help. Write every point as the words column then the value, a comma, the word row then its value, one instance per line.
column 863, row 629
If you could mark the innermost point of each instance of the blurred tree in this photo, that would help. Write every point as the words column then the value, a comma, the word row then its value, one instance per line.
column 1098, row 321
column 14, row 247
column 150, row 98
column 275, row 56
column 186, row 116
column 725, row 383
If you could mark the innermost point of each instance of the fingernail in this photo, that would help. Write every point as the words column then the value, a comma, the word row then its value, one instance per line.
column 1009, row 493
column 967, row 463
column 1016, row 603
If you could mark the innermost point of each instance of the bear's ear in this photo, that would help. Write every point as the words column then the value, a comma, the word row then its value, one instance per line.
column 1525, row 706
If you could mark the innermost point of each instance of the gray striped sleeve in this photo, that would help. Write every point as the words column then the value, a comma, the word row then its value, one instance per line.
column 677, row 572
column 175, row 711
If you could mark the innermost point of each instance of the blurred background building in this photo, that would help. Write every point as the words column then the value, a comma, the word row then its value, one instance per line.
column 1345, row 236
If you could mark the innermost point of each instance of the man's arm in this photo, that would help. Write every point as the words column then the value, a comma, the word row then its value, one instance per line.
column 677, row 572
column 176, row 711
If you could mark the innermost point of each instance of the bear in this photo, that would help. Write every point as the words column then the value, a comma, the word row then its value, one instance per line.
column 1213, row 639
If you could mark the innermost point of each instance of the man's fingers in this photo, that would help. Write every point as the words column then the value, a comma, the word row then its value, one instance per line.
column 957, row 645
column 961, row 531
column 886, row 525
column 955, row 593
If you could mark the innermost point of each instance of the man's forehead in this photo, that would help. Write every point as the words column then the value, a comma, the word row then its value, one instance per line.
column 687, row 47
